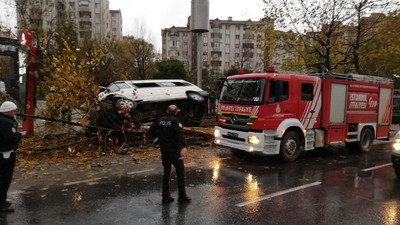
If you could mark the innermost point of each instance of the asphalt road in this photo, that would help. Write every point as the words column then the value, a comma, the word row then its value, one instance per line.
column 327, row 186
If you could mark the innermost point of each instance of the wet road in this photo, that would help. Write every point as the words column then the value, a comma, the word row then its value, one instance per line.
column 323, row 187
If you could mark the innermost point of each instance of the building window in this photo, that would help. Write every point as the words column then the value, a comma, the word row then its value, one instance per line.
column 174, row 43
column 216, row 44
column 237, row 55
column 227, row 37
column 173, row 34
column 228, row 27
column 205, row 44
column 216, row 35
column 237, row 36
column 237, row 45
column 237, row 27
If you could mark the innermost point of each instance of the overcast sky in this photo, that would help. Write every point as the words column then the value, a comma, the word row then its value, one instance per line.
column 160, row 14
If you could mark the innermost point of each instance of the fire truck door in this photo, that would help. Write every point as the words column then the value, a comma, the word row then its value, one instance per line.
column 310, row 102
column 336, row 131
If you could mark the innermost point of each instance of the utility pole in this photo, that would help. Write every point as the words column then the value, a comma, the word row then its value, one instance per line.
column 199, row 23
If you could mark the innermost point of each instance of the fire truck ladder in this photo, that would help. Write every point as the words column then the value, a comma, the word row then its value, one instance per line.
column 355, row 77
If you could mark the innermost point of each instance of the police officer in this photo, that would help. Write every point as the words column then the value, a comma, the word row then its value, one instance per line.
column 173, row 145
column 8, row 145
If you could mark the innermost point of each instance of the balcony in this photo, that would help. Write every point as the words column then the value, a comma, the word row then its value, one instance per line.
column 85, row 19
column 83, row 8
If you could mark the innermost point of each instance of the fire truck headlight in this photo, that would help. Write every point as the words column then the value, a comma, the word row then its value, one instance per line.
column 396, row 145
column 253, row 140
column 217, row 133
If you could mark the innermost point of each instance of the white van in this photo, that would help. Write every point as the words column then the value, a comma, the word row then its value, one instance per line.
column 149, row 99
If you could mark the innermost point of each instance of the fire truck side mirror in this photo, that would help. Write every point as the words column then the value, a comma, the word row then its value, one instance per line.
column 220, row 82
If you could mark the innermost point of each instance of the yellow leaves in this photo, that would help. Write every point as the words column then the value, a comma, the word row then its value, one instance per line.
column 77, row 197
column 71, row 150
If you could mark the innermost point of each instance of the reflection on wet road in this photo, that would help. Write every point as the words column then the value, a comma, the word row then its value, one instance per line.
column 330, row 187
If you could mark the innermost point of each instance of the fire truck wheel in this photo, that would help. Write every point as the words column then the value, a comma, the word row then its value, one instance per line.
column 366, row 140
column 290, row 146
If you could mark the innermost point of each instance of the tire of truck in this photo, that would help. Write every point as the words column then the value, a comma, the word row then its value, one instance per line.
column 196, row 107
column 124, row 103
column 194, row 96
column 290, row 146
column 365, row 143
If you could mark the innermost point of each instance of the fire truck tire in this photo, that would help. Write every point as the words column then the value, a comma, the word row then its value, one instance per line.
column 290, row 146
column 366, row 140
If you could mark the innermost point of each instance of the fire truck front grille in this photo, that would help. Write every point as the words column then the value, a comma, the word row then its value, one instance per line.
column 234, row 138
column 239, row 116
column 237, row 121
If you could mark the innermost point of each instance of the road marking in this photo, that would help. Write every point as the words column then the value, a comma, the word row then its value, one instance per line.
column 17, row 192
column 377, row 167
column 82, row 181
column 265, row 197
column 141, row 171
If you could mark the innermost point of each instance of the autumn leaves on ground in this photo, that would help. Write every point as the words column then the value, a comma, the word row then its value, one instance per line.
column 41, row 156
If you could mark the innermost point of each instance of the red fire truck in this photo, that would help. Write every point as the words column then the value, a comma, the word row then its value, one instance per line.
column 285, row 114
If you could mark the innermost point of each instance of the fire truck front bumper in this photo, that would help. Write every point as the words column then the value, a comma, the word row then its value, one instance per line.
column 262, row 142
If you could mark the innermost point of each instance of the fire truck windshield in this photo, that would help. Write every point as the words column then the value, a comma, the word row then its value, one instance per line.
column 243, row 91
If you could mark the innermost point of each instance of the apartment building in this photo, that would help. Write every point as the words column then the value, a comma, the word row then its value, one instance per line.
column 179, row 43
column 116, row 25
column 229, row 43
column 92, row 18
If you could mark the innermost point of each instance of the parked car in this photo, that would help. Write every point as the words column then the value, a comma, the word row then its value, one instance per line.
column 396, row 154
column 148, row 100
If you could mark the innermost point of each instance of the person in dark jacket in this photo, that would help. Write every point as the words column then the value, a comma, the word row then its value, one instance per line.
column 8, row 145
column 169, row 130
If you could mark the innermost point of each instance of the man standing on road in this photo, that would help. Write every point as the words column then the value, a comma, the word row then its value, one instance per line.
column 8, row 145
column 173, row 145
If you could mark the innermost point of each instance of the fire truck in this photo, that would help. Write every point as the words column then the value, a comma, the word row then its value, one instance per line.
column 286, row 113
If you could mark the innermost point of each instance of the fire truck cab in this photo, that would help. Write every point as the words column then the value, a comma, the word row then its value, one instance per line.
column 287, row 113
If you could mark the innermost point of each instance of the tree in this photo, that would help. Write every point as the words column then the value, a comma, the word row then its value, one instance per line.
column 328, row 34
column 363, row 26
column 170, row 69
column 143, row 56
column 71, row 83
column 382, row 55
